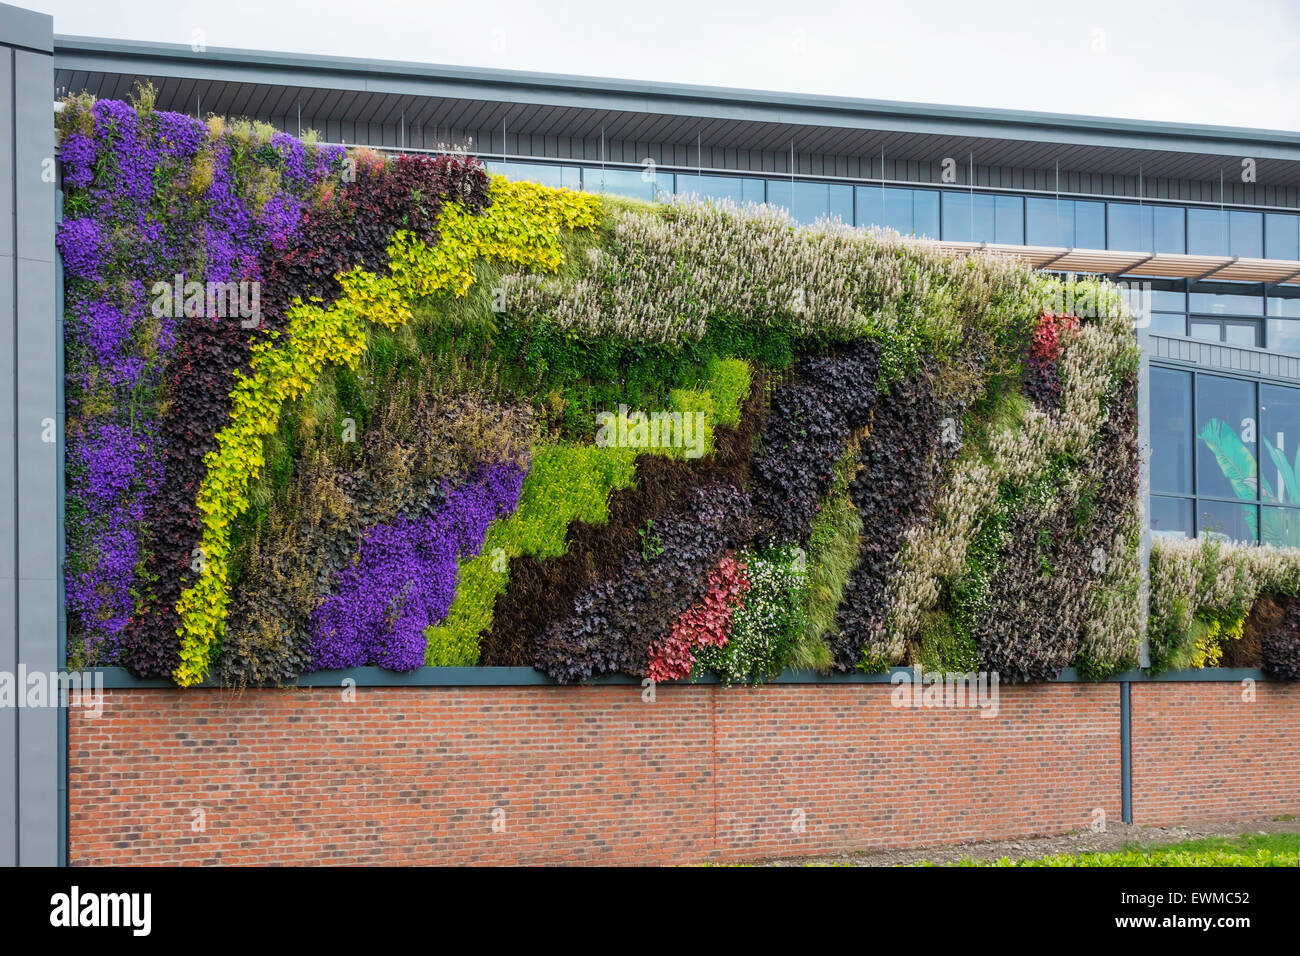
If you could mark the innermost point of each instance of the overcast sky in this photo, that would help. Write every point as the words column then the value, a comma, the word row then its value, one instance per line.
column 1235, row 63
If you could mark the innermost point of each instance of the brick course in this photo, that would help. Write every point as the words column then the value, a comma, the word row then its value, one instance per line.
column 1200, row 751
column 594, row 775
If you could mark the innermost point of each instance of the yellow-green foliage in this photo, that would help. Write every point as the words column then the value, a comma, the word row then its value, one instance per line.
column 1203, row 646
column 521, row 227
column 565, row 483
column 729, row 381
column 1198, row 585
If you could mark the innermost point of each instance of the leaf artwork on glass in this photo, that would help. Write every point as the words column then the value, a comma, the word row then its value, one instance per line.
column 1280, row 526
column 1236, row 462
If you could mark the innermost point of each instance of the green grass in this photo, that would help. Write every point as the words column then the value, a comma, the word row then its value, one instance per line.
column 1248, row 849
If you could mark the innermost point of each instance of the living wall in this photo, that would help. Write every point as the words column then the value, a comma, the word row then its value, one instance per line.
column 1219, row 604
column 456, row 420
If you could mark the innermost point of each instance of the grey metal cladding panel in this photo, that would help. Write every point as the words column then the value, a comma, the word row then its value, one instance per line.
column 184, row 101
column 34, row 147
column 37, row 401
column 8, row 439
column 8, row 736
column 26, row 28
column 260, row 103
column 38, row 729
column 344, row 108
column 6, row 154
column 282, row 101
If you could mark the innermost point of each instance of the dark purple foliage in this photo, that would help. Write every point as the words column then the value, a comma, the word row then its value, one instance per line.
column 810, row 420
column 615, row 622
column 899, row 462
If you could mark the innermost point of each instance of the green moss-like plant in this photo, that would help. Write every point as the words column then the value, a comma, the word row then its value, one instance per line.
column 945, row 647
column 832, row 556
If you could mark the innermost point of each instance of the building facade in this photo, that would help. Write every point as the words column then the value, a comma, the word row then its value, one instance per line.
column 1201, row 223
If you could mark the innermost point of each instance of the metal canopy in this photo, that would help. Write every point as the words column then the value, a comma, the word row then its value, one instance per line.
column 258, row 84
column 1114, row 262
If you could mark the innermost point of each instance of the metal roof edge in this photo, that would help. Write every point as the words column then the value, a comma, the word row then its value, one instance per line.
column 646, row 96
column 26, row 29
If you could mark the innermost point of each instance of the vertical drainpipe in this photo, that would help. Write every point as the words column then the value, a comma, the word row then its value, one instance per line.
column 1144, row 482
column 1125, row 752
column 1143, row 330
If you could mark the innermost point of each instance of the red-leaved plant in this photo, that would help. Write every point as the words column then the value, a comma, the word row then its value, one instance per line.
column 1053, row 332
column 707, row 624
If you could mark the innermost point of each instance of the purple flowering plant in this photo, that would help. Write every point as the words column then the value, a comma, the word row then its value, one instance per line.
column 404, row 578
column 148, row 194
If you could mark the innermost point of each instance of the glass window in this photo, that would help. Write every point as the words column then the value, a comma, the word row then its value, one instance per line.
column 1225, row 232
column 1126, row 227
column 1172, row 517
column 873, row 206
column 1279, row 422
column 1169, row 229
column 1222, row 298
column 1284, row 335
column 925, row 202
column 634, row 183
column 1089, row 225
column 1168, row 296
column 1154, row 295
column 570, row 177
column 1208, row 329
column 839, row 202
column 957, row 217
column 1243, row 457
column 1066, row 222
column 1245, row 234
column 1227, row 520
column 1207, row 232
column 780, row 192
column 1284, row 301
column 983, row 217
column 1282, row 233
column 1281, row 527
column 1168, row 323
column 1171, row 431
column 900, row 210
column 1283, row 305
column 810, row 202
column 913, row 212
column 1009, row 220
column 1048, row 222
column 1243, row 332
column 713, row 187
column 1225, row 437
column 967, row 218
column 1140, row 228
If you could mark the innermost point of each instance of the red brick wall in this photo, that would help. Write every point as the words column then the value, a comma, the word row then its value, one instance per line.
column 414, row 775
column 1201, row 751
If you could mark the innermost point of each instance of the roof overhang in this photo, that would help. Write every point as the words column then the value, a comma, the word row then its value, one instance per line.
column 1111, row 262
column 254, row 83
